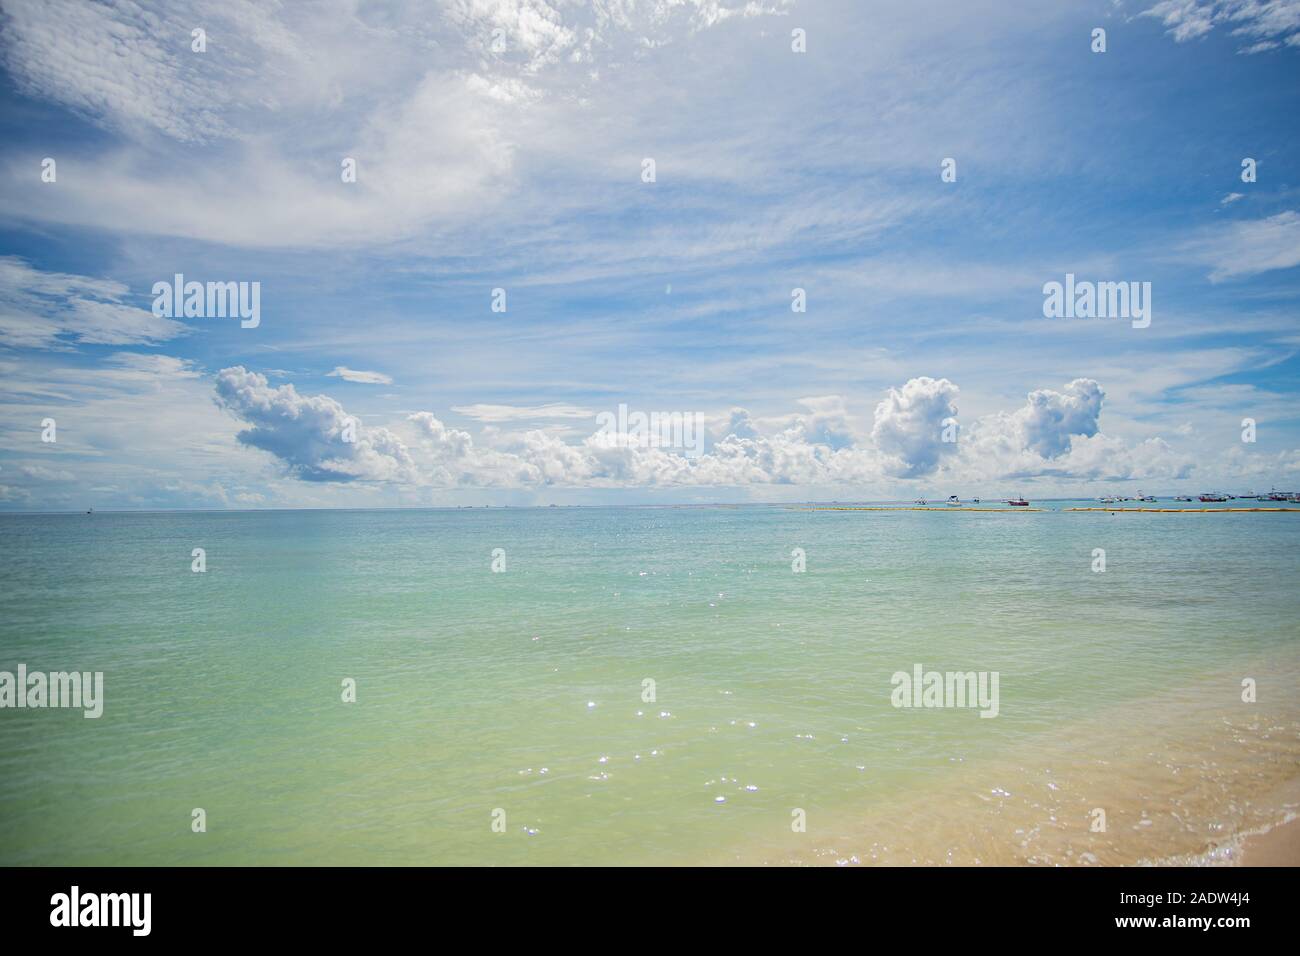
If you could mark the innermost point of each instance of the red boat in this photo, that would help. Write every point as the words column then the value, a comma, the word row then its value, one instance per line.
column 1018, row 503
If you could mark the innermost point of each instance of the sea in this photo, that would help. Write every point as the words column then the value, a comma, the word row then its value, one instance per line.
column 694, row 685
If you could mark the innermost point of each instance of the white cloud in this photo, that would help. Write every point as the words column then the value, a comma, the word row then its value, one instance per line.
column 303, row 433
column 909, row 426
column 129, row 427
column 1249, row 247
column 1051, row 419
column 1268, row 22
column 56, row 310
column 118, row 63
column 534, row 28
column 517, row 413
column 41, row 473
column 1186, row 19
column 242, row 144
column 309, row 433
column 293, row 446
column 364, row 378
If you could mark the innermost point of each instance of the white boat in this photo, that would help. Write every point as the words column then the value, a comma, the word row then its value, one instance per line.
column 954, row 501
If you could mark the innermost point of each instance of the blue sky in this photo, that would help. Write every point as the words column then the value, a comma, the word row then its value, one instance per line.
column 521, row 169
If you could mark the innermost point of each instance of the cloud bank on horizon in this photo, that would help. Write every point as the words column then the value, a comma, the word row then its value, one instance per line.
column 823, row 233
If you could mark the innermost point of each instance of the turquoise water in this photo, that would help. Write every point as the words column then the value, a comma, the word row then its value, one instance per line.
column 523, row 690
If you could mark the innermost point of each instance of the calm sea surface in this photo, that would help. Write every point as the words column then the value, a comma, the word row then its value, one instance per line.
column 524, row 691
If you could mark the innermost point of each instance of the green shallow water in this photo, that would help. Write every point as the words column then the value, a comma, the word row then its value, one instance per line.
column 476, row 689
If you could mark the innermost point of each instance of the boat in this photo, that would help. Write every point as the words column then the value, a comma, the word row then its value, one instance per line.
column 974, row 501
column 920, row 501
column 1275, row 495
column 954, row 501
column 1148, row 498
column 1183, row 498
column 1018, row 503
column 1213, row 497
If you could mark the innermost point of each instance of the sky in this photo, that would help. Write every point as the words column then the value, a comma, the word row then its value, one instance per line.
column 915, row 176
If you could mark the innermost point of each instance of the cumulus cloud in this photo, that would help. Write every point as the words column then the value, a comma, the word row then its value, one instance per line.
column 1055, row 434
column 739, row 424
column 309, row 433
column 910, row 424
column 57, row 310
column 1051, row 419
column 364, row 378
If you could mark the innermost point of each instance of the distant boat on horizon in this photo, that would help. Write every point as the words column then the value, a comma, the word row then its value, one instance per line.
column 954, row 501
column 1214, row 497
column 1018, row 503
